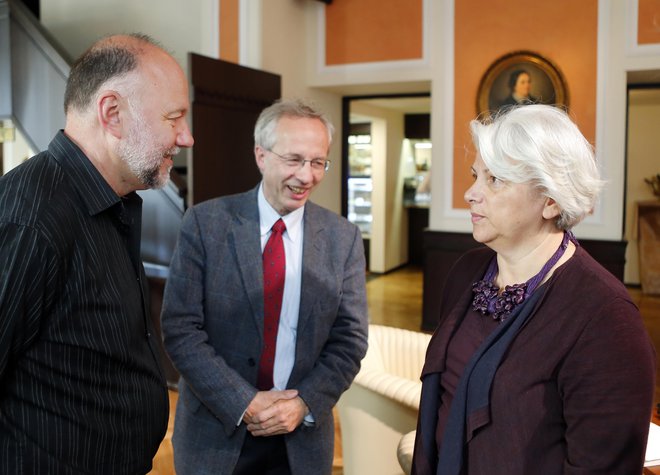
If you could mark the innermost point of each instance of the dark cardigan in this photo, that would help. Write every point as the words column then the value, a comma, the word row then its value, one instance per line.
column 574, row 391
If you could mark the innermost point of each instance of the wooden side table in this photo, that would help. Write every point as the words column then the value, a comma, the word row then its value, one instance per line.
column 648, row 215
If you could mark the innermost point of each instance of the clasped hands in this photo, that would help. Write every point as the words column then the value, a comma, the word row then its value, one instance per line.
column 275, row 412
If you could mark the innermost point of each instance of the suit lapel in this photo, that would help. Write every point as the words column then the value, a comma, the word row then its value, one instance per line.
column 312, row 261
column 247, row 245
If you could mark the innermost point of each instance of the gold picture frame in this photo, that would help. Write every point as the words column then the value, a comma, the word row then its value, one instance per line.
column 496, row 87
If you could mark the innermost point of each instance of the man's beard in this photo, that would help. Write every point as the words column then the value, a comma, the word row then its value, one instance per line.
column 143, row 157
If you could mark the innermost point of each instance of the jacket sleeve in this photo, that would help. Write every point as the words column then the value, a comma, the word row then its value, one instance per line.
column 223, row 391
column 346, row 345
column 607, row 384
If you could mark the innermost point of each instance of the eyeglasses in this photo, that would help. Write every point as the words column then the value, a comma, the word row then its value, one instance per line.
column 295, row 162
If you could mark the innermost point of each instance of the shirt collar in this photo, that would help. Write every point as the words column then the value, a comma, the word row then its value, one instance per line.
column 268, row 216
column 94, row 191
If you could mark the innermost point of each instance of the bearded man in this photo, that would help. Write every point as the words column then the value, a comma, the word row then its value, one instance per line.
column 81, row 387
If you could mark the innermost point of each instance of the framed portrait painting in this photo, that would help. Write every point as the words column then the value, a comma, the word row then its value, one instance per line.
column 521, row 77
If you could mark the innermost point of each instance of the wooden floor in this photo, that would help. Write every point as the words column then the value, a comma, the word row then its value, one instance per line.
column 395, row 299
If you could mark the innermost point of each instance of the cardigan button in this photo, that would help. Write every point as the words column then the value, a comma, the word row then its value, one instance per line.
column 251, row 362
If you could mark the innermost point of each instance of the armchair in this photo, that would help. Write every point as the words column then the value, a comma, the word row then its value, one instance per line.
column 382, row 403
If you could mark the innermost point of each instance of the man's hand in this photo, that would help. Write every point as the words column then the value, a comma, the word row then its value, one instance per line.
column 265, row 399
column 281, row 417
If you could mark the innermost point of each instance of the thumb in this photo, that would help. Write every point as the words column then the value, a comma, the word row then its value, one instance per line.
column 288, row 394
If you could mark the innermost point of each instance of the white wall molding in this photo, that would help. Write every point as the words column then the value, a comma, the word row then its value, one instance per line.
column 210, row 26
column 250, row 33
column 320, row 74
column 633, row 48
column 443, row 215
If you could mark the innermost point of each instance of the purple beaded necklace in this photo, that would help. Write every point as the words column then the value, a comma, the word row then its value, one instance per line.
column 487, row 302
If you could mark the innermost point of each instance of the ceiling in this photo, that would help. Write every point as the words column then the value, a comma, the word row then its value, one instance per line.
column 406, row 105
column 644, row 77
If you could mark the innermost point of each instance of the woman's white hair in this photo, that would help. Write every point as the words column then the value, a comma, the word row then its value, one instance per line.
column 539, row 144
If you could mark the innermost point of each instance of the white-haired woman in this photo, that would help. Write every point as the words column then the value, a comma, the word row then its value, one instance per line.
column 540, row 362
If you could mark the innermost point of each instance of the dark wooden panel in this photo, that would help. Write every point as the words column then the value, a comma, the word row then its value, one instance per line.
column 215, row 80
column 442, row 250
column 227, row 99
column 418, row 221
column 610, row 254
column 223, row 157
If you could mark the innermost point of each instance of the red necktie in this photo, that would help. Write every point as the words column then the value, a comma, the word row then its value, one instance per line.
column 274, row 270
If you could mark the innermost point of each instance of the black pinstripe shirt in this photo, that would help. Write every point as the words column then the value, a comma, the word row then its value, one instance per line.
column 81, row 389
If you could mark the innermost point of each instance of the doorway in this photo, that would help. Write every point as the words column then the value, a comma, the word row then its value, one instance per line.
column 642, row 145
column 386, row 161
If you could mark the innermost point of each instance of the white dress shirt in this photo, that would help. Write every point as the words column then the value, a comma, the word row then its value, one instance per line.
column 285, row 350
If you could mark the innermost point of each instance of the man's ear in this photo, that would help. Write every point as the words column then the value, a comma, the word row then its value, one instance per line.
column 259, row 156
column 108, row 107
column 551, row 209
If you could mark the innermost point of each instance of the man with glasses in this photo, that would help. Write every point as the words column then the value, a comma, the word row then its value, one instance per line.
column 265, row 312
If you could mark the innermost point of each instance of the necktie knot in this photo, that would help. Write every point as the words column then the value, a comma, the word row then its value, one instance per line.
column 279, row 226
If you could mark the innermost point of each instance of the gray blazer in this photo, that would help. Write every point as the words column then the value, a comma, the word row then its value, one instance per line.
column 212, row 322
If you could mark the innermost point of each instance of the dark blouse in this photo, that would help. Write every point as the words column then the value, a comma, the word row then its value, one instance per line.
column 572, row 395
column 81, row 389
column 468, row 337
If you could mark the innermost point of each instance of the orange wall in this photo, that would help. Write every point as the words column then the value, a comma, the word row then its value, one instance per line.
column 563, row 31
column 648, row 21
column 229, row 30
column 361, row 31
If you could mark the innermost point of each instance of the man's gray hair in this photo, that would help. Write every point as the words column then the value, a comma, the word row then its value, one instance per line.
column 106, row 59
column 265, row 129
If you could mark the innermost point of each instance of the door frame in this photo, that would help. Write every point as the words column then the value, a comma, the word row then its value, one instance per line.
column 345, row 132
